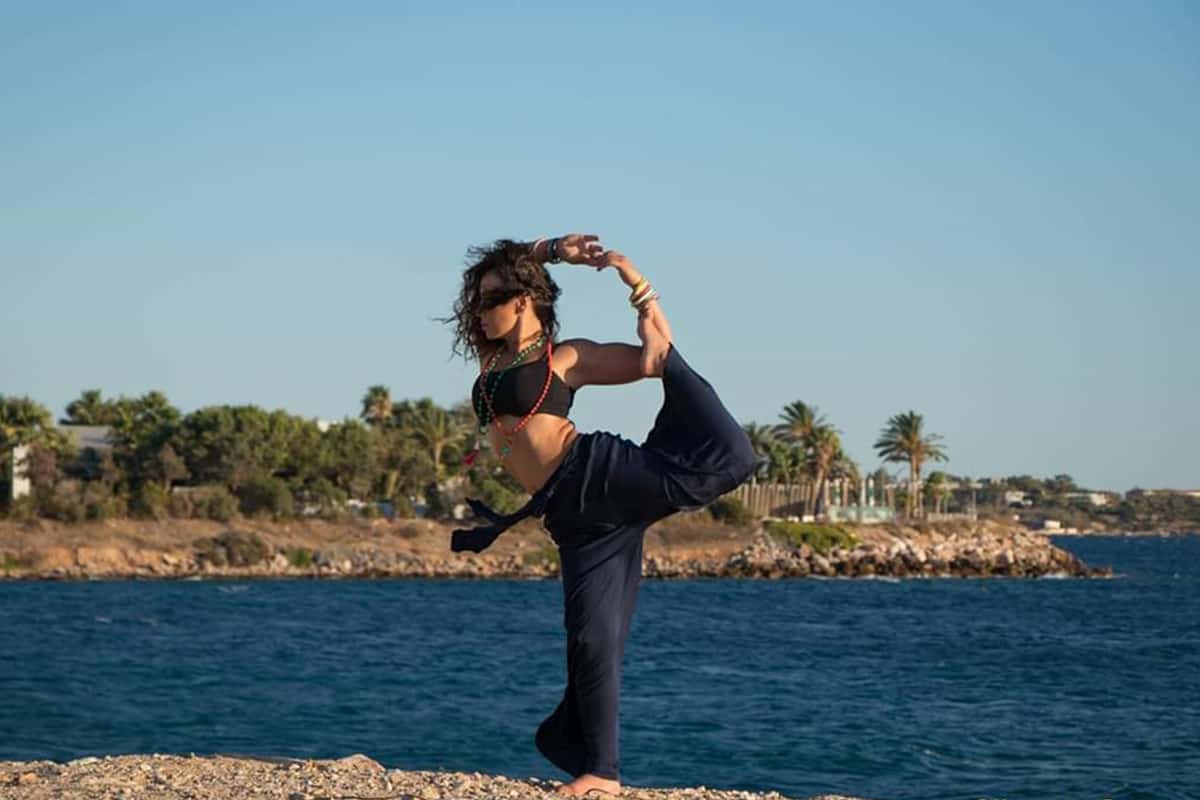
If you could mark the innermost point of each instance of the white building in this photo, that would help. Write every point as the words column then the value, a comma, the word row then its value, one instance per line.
column 1015, row 498
column 1096, row 499
column 84, row 437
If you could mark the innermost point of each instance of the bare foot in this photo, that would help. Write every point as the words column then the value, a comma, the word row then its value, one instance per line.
column 656, row 339
column 590, row 785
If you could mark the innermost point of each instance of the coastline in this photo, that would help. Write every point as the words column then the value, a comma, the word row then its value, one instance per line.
column 236, row 776
column 1160, row 532
column 685, row 546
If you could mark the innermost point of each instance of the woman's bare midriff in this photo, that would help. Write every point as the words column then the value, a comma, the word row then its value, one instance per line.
column 537, row 449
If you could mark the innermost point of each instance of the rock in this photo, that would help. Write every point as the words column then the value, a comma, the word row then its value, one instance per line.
column 821, row 565
column 361, row 761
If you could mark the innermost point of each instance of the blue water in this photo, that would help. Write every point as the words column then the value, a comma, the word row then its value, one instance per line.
column 912, row 689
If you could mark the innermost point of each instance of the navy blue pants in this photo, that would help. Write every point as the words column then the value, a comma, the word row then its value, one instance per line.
column 597, row 506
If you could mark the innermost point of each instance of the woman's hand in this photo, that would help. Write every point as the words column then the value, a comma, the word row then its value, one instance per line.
column 579, row 248
column 612, row 258
column 619, row 262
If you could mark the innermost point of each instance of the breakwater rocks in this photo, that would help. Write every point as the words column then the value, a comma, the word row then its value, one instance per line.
column 978, row 552
column 687, row 548
column 233, row 777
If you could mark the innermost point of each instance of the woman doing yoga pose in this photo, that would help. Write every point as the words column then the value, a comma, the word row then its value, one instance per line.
column 596, row 492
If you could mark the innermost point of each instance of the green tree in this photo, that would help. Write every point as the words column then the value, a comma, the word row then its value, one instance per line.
column 904, row 439
column 90, row 409
column 140, row 428
column 23, row 421
column 1060, row 485
column 762, row 439
column 880, row 480
column 786, row 462
column 232, row 444
column 377, row 406
column 800, row 421
column 824, row 446
column 434, row 429
column 845, row 469
column 938, row 487
column 351, row 457
column 405, row 466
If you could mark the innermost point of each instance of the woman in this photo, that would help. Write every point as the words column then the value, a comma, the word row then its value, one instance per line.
column 597, row 492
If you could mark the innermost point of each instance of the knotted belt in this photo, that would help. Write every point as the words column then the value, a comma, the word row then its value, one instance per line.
column 480, row 538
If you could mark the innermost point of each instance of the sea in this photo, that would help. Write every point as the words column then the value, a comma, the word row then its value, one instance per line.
column 918, row 688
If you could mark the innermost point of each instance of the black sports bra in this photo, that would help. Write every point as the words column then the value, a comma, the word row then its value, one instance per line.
column 519, row 388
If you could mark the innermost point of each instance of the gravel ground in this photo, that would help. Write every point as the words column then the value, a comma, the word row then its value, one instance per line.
column 356, row 777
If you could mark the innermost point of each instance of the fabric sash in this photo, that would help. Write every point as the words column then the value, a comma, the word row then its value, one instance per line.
column 480, row 538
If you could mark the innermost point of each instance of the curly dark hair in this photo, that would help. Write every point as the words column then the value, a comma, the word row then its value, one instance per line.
column 517, row 269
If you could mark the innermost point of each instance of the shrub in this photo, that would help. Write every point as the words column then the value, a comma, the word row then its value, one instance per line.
column 10, row 562
column 403, row 507
column 502, row 499
column 101, row 503
column 215, row 502
column 151, row 501
column 546, row 554
column 322, row 497
column 436, row 504
column 731, row 510
column 23, row 509
column 59, row 503
column 821, row 538
column 111, row 507
column 301, row 557
column 265, row 494
column 180, row 505
column 232, row 548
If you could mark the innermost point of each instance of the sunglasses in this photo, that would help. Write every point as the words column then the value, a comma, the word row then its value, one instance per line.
column 490, row 299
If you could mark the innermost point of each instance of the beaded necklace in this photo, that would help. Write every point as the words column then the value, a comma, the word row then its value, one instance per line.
column 491, row 380
column 506, row 448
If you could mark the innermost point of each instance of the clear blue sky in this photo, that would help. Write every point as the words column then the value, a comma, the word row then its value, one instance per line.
column 988, row 213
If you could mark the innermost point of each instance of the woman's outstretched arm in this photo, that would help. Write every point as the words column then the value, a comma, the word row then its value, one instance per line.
column 591, row 363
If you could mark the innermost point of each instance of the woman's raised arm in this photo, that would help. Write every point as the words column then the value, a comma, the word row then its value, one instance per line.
column 613, row 363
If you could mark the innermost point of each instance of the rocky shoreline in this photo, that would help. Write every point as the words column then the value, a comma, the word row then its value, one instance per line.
column 220, row 776
column 979, row 552
column 690, row 548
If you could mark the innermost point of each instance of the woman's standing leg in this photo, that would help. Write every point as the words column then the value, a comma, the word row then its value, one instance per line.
column 582, row 735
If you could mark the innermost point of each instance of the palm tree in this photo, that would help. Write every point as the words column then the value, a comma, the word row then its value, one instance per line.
column 785, row 462
column 377, row 406
column 434, row 428
column 762, row 437
column 939, row 487
column 843, row 468
column 903, row 439
column 823, row 448
column 799, row 422
column 799, row 427
column 22, row 420
column 89, row 409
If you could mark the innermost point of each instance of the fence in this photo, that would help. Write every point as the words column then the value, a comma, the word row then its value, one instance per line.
column 772, row 499
column 781, row 500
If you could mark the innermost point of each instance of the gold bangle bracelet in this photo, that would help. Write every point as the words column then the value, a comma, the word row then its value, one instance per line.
column 642, row 306
column 645, row 298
